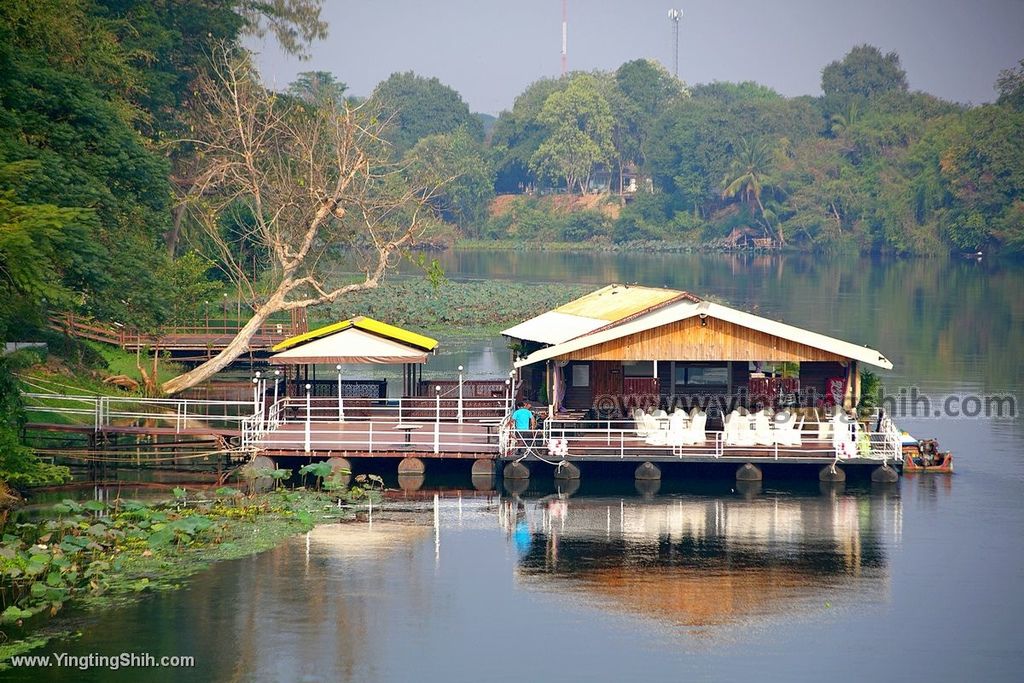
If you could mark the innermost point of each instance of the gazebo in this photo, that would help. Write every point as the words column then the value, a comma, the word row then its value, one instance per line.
column 360, row 340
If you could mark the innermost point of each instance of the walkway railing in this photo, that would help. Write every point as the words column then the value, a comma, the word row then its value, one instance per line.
column 621, row 439
column 103, row 412
column 212, row 331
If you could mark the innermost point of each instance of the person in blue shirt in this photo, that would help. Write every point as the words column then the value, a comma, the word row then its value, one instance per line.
column 523, row 416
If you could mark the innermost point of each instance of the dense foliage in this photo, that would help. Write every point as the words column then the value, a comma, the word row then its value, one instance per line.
column 418, row 107
column 868, row 166
column 92, row 95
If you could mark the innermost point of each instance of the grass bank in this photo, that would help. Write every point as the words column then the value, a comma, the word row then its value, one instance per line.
column 75, row 366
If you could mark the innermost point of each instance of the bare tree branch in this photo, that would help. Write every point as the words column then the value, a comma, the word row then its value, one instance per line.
column 289, row 185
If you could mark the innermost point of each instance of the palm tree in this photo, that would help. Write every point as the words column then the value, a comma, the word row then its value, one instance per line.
column 748, row 177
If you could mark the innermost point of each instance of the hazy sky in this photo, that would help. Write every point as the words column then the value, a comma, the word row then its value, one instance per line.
column 490, row 50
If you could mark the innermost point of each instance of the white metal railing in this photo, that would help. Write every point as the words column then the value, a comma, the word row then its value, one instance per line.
column 109, row 411
column 620, row 439
column 419, row 423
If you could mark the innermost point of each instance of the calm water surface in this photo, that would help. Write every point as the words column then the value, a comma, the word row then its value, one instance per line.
column 922, row 581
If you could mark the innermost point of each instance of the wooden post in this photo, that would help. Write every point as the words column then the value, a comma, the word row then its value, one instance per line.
column 852, row 394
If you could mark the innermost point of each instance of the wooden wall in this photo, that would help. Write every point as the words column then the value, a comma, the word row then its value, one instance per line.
column 813, row 376
column 716, row 341
column 577, row 398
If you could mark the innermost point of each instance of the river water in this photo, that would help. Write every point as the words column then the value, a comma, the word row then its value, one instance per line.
column 921, row 581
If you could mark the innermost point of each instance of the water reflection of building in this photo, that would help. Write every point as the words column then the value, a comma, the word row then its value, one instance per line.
column 699, row 561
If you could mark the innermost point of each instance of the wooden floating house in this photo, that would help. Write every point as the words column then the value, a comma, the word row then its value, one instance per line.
column 627, row 374
column 660, row 375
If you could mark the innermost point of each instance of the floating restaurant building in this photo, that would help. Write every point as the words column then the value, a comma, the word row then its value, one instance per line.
column 626, row 345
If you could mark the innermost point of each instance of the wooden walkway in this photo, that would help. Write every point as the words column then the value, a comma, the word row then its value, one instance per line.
column 201, row 340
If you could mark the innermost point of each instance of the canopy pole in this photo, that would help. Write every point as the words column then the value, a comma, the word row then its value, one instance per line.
column 460, row 395
column 341, row 401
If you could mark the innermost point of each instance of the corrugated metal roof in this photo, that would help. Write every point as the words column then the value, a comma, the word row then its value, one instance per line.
column 364, row 323
column 689, row 308
column 611, row 304
column 616, row 302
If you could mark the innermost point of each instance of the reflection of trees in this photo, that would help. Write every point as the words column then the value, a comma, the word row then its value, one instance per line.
column 700, row 561
column 283, row 610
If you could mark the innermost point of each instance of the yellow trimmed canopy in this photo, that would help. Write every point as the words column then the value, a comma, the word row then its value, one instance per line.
column 357, row 340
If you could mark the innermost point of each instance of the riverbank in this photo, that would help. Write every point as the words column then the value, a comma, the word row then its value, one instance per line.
column 94, row 555
column 609, row 247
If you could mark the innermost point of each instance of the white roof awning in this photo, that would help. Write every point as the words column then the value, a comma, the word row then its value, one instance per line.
column 554, row 327
column 351, row 345
column 687, row 309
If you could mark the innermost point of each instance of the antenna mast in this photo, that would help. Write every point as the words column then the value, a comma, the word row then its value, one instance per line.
column 674, row 15
column 565, row 37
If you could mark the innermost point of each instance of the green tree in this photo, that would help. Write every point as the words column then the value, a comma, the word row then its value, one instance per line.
column 316, row 87
column 864, row 72
column 749, row 175
column 461, row 168
column 416, row 107
column 643, row 89
column 1010, row 86
column 579, row 124
column 518, row 133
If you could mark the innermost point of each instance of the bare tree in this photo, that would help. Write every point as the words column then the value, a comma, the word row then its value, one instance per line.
column 295, row 184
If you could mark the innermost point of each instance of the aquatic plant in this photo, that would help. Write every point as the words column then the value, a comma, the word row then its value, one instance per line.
column 451, row 304
column 92, row 549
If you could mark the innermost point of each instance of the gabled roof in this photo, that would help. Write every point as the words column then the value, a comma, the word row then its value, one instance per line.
column 692, row 306
column 350, row 345
column 363, row 323
column 611, row 304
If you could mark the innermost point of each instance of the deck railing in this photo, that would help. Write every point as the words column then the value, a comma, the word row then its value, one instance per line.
column 102, row 412
column 621, row 439
column 435, row 424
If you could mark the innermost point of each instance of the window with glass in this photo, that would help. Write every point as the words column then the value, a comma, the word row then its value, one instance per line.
column 703, row 375
column 638, row 368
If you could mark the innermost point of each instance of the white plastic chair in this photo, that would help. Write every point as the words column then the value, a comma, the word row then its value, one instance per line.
column 843, row 438
column 641, row 423
column 787, row 431
column 762, row 429
column 677, row 432
column 696, row 431
column 656, row 436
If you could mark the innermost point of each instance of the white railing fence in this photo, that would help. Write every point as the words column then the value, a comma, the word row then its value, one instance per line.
column 619, row 439
column 318, row 423
column 111, row 411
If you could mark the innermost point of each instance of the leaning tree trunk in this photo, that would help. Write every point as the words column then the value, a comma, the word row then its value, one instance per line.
column 778, row 230
column 237, row 346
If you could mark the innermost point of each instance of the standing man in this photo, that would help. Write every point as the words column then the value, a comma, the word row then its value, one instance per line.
column 524, row 417
column 524, row 420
